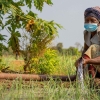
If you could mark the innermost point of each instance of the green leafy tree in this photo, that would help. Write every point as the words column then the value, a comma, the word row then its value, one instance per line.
column 60, row 48
column 2, row 46
column 72, row 51
column 39, row 32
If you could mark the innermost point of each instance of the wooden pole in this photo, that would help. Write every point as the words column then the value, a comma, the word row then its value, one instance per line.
column 27, row 77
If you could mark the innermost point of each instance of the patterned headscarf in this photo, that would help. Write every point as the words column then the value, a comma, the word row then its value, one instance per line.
column 93, row 11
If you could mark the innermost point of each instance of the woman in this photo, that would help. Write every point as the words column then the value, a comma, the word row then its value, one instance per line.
column 91, row 52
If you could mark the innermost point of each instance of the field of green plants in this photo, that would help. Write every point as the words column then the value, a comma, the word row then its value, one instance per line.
column 30, row 36
column 50, row 63
column 46, row 90
column 49, row 90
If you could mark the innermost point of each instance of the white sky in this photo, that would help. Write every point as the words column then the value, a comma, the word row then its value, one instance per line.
column 70, row 14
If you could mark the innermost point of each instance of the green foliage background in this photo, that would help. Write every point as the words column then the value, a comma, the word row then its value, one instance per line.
column 38, row 32
column 47, row 64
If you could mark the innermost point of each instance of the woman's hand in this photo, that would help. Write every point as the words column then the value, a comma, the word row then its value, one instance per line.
column 84, row 61
column 77, row 62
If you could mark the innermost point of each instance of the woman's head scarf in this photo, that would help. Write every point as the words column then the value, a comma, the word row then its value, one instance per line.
column 93, row 11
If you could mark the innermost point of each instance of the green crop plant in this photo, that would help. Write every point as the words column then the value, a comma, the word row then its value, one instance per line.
column 47, row 64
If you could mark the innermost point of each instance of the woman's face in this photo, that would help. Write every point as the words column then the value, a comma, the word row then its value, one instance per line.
column 91, row 20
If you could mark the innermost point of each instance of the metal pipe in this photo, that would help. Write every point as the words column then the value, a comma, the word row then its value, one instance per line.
column 27, row 77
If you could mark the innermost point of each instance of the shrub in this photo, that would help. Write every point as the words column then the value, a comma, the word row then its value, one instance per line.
column 46, row 64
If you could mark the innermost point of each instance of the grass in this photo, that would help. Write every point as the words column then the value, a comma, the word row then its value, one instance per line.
column 12, row 63
column 65, row 67
column 48, row 90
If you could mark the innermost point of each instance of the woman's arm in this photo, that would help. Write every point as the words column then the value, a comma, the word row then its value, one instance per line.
column 95, row 61
column 84, row 50
column 90, row 61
